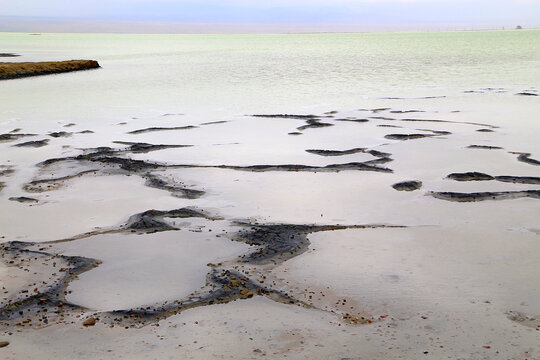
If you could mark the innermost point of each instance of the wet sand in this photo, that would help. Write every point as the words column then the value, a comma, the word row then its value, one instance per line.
column 372, row 235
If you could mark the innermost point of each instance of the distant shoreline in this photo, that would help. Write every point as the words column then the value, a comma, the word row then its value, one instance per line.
column 16, row 70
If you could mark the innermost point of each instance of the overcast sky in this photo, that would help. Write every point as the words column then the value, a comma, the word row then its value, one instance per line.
column 365, row 12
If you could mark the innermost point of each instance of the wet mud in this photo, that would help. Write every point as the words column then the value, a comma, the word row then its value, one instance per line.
column 481, row 196
column 470, row 176
column 527, row 94
column 484, row 147
column 313, row 123
column 408, row 185
column 34, row 144
column 153, row 129
column 24, row 199
column 138, row 148
column 354, row 120
column 526, row 158
column 477, row 176
column 13, row 136
column 335, row 152
column 404, row 137
column 60, row 134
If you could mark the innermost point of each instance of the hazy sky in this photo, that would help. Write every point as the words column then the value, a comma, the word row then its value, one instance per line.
column 315, row 13
column 284, row 11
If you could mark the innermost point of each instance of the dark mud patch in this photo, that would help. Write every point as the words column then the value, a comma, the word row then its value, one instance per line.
column 6, row 170
column 375, row 110
column 214, row 122
column 60, row 134
column 404, row 137
column 41, row 185
column 147, row 222
column 382, row 157
column 415, row 98
column 485, row 130
column 484, row 147
column 295, row 133
column 470, row 176
column 477, row 176
column 153, row 220
column 450, row 122
column 481, row 196
column 519, row 179
column 390, row 126
column 15, row 130
column 69, row 125
column 382, row 118
column 336, row 152
column 43, row 302
column 287, row 116
column 354, row 120
column 176, row 189
column 406, row 111
column 24, row 199
column 312, row 121
column 526, row 158
column 12, row 136
column 525, row 93
column 9, row 55
column 313, row 124
column 34, row 144
column 85, row 132
column 137, row 147
column 103, row 161
column 408, row 185
column 436, row 132
column 153, row 129
column 359, row 166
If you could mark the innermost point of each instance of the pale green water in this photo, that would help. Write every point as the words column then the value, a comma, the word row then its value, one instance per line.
column 235, row 74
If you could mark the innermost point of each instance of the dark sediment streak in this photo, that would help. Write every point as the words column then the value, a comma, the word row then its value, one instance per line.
column 152, row 129
column 470, row 176
column 11, row 136
column 34, row 144
column 485, row 147
column 481, row 196
column 136, row 147
column 526, row 158
column 477, row 176
column 335, row 152
column 406, row 136
column 23, row 199
column 60, row 134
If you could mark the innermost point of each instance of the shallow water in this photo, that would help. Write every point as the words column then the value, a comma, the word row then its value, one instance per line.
column 447, row 282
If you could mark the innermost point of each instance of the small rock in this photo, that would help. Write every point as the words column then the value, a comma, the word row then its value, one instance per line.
column 4, row 344
column 89, row 322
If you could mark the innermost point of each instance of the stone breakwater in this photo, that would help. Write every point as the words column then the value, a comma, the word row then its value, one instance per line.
column 17, row 70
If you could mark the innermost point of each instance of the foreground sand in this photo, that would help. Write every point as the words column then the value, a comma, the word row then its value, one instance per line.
column 14, row 70
column 394, row 231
